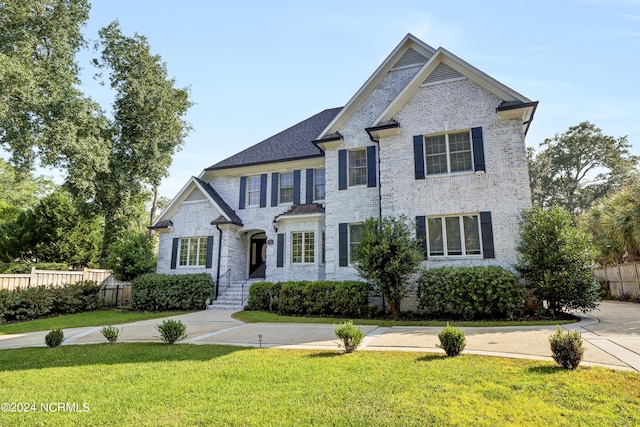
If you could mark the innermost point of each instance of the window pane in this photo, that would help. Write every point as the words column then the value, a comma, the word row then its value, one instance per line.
column 319, row 185
column 357, row 167
column 309, row 247
column 193, row 251
column 460, row 151
column 471, row 235
column 459, row 142
column 436, row 164
column 254, row 191
column 436, row 247
column 435, row 145
column 355, row 235
column 461, row 161
column 184, row 251
column 454, row 243
column 286, row 187
column 296, row 247
column 202, row 252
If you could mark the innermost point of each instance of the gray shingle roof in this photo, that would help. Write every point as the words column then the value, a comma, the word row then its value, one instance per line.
column 290, row 144
column 230, row 213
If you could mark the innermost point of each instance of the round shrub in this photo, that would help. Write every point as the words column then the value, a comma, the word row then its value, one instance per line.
column 172, row 331
column 452, row 341
column 54, row 338
column 350, row 336
column 567, row 348
column 110, row 333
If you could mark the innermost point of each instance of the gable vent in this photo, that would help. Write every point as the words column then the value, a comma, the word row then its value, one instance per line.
column 442, row 72
column 411, row 57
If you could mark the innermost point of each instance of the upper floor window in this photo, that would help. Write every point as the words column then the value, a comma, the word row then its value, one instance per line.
column 318, row 184
column 286, row 188
column 358, row 167
column 453, row 235
column 448, row 153
column 302, row 247
column 253, row 191
column 193, row 252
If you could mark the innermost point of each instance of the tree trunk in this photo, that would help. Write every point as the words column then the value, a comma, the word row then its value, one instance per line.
column 394, row 306
column 154, row 207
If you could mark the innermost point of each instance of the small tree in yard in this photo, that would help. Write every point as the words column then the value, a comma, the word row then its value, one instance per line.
column 557, row 260
column 387, row 256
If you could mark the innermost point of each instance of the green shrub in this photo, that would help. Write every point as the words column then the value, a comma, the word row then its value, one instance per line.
column 24, row 267
column 54, row 338
column 263, row 296
column 350, row 336
column 291, row 299
column 172, row 331
column 131, row 256
column 352, row 299
column 76, row 297
column 319, row 298
column 452, row 341
column 567, row 348
column 165, row 292
column 111, row 333
column 470, row 293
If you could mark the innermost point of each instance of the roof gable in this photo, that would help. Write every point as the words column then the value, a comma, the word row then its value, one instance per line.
column 411, row 51
column 293, row 143
column 197, row 190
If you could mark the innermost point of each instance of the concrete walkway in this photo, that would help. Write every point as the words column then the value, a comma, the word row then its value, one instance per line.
column 611, row 335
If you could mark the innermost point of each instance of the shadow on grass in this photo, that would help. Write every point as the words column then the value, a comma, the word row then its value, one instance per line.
column 546, row 369
column 326, row 355
column 431, row 357
column 106, row 354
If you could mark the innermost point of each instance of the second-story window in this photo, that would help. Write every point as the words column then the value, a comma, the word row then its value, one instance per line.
column 318, row 184
column 253, row 191
column 358, row 167
column 448, row 153
column 286, row 188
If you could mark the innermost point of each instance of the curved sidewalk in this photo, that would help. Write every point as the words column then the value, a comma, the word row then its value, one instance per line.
column 610, row 349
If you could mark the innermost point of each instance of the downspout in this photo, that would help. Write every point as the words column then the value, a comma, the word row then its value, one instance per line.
column 219, row 257
column 379, row 172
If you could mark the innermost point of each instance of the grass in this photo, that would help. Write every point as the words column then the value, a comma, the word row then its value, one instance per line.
column 91, row 318
column 264, row 317
column 151, row 384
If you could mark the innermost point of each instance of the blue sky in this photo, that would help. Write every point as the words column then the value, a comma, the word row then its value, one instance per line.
column 257, row 67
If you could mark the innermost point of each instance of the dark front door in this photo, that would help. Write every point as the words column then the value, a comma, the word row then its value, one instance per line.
column 258, row 256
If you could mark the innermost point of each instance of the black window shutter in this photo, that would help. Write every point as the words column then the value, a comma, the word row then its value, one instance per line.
column 486, row 229
column 371, row 166
column 296, row 187
column 263, row 190
column 280, row 250
column 274, row 188
column 174, row 253
column 343, row 244
column 342, row 170
column 478, row 149
column 418, row 156
column 243, row 191
column 309, row 186
column 209, row 252
column 421, row 234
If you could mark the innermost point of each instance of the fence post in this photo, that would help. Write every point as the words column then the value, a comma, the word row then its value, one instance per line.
column 33, row 278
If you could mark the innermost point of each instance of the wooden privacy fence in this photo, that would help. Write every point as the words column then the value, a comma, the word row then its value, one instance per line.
column 623, row 279
column 115, row 294
column 52, row 278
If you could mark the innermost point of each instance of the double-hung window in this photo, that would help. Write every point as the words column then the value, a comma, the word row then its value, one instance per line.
column 302, row 247
column 355, row 235
column 358, row 167
column 193, row 252
column 318, row 184
column 253, row 191
column 453, row 235
column 286, row 188
column 448, row 153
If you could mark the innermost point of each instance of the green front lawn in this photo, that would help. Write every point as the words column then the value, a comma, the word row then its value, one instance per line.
column 264, row 317
column 90, row 318
column 153, row 384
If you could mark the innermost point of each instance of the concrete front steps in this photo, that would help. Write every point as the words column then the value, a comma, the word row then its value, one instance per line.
column 233, row 298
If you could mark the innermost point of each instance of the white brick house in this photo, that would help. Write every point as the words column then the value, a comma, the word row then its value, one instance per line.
column 427, row 135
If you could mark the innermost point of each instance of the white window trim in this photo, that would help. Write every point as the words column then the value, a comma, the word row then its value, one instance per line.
column 448, row 154
column 304, row 240
column 259, row 191
column 443, row 225
column 366, row 171
column 188, row 239
column 293, row 186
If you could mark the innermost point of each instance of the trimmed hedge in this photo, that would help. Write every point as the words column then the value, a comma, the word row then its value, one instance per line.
column 470, row 293
column 320, row 298
column 41, row 301
column 166, row 292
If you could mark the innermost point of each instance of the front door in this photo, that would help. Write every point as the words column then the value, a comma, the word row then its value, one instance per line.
column 258, row 256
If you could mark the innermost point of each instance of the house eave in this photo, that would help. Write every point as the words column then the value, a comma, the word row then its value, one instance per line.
column 383, row 130
column 523, row 111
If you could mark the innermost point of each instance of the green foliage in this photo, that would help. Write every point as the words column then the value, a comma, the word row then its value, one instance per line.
column 579, row 166
column 54, row 338
column 111, row 333
column 24, row 267
column 18, row 192
column 557, row 260
column 387, row 256
column 41, row 301
column 469, row 293
column 164, row 292
column 350, row 336
column 452, row 341
column 172, row 331
column 131, row 255
column 567, row 348
column 57, row 229
column 320, row 298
